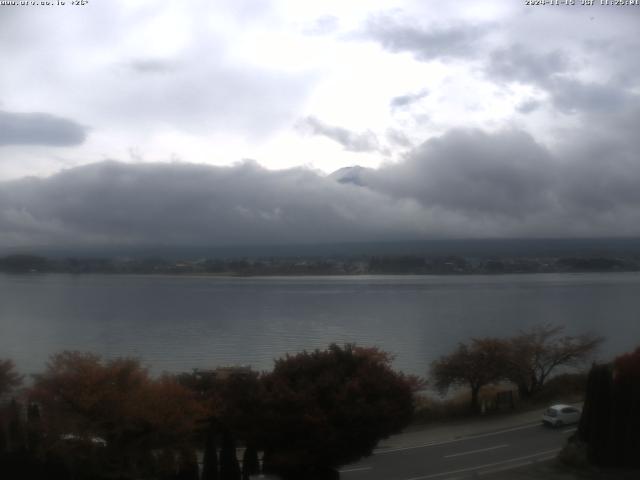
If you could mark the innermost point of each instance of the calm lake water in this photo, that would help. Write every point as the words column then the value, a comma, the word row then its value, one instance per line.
column 179, row 323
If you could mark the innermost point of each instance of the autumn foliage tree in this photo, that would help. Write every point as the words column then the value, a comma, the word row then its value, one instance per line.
column 480, row 363
column 535, row 354
column 330, row 407
column 113, row 407
column 528, row 360
column 234, row 405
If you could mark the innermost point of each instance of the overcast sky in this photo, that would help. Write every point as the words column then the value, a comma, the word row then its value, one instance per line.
column 219, row 122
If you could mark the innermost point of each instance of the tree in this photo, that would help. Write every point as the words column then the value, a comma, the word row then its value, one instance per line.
column 115, row 406
column 9, row 378
column 327, row 408
column 611, row 415
column 210, row 457
column 626, row 418
column 9, row 416
column 187, row 464
column 250, row 462
column 475, row 365
column 237, row 403
column 233, row 399
column 595, row 421
column 537, row 353
column 23, row 263
column 229, row 466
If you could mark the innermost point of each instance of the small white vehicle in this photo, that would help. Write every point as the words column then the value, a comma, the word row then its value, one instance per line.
column 559, row 415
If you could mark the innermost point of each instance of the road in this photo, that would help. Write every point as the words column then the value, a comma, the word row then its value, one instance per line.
column 469, row 457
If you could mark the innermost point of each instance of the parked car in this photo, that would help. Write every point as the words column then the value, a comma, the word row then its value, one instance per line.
column 558, row 415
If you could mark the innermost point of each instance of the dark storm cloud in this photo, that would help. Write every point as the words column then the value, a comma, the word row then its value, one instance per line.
column 425, row 43
column 604, row 172
column 183, row 204
column 351, row 141
column 39, row 129
column 403, row 101
column 469, row 171
column 507, row 184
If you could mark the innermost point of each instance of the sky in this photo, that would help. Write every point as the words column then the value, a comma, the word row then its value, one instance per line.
column 250, row 122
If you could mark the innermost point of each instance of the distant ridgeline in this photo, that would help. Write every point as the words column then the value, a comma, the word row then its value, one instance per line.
column 388, row 264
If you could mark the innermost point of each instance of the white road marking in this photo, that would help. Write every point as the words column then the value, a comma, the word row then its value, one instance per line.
column 461, row 439
column 515, row 465
column 475, row 451
column 486, row 465
column 358, row 469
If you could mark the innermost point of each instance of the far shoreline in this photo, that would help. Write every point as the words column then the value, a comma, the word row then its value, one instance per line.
column 315, row 275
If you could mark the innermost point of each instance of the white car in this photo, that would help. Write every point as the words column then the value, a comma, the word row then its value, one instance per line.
column 558, row 415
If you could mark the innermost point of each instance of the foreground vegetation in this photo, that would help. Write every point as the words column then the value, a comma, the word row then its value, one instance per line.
column 609, row 431
column 89, row 418
column 527, row 360
column 85, row 417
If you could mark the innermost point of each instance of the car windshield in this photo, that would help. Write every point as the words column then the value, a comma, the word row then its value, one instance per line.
column 552, row 412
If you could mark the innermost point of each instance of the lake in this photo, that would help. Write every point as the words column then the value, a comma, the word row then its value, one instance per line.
column 179, row 323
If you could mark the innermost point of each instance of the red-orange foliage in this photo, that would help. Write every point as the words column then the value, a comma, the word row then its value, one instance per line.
column 330, row 407
column 117, row 400
column 627, row 366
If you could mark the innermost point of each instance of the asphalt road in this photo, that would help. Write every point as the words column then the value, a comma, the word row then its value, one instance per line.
column 470, row 457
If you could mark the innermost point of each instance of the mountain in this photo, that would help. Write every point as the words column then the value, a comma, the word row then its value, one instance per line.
column 355, row 175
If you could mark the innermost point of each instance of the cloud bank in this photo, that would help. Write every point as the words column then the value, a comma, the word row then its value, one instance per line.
column 465, row 183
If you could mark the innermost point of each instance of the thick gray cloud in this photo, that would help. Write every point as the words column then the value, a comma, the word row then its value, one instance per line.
column 528, row 106
column 518, row 63
column 188, row 204
column 571, row 96
column 507, row 184
column 351, row 141
column 553, row 72
column 469, row 171
column 39, row 129
column 465, row 183
column 398, row 35
column 551, row 68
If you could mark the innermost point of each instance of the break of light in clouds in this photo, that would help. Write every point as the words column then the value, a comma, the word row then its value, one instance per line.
column 473, row 119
